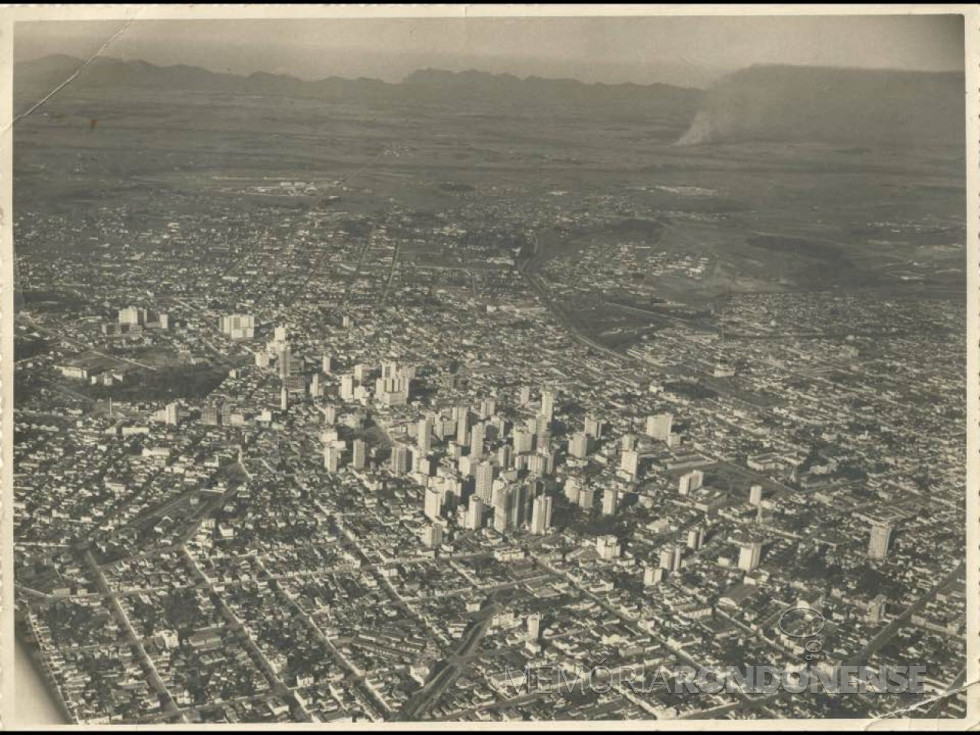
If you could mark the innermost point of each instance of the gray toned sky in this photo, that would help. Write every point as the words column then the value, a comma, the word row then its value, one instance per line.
column 680, row 50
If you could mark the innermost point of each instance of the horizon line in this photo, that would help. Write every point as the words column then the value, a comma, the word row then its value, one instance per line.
column 82, row 63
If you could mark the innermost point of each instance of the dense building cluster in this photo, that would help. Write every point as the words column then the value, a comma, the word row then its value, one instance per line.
column 335, row 466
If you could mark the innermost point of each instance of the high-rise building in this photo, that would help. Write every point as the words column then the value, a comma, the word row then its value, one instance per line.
column 881, row 534
column 296, row 383
column 432, row 535
column 500, row 427
column 593, row 426
column 444, row 427
column 359, row 454
column 315, row 386
column 537, row 464
column 608, row 547
column 501, row 501
column 572, row 489
column 523, row 441
column 397, row 393
column 610, row 501
column 578, row 445
column 694, row 539
column 285, row 362
column 467, row 465
column 130, row 316
column 462, row 425
column 628, row 442
column 488, row 407
column 484, row 481
column 525, row 395
column 283, row 399
column 415, row 458
column 533, row 628
column 477, row 435
column 542, row 438
column 210, row 415
column 659, row 425
column 238, row 326
column 586, row 498
column 393, row 387
column 454, row 487
column 326, row 364
column 676, row 558
column 347, row 388
column 749, row 555
column 755, row 495
column 520, row 506
column 541, row 514
column 690, row 481
column 548, row 404
column 399, row 459
column 331, row 457
column 474, row 514
column 433, row 502
column 666, row 558
column 425, row 434
column 630, row 462
column 424, row 465
column 172, row 414
column 504, row 457
column 653, row 575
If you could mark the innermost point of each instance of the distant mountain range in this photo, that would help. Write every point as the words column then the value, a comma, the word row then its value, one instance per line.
column 35, row 78
column 775, row 103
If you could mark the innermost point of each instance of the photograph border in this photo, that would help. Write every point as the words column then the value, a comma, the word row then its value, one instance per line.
column 11, row 15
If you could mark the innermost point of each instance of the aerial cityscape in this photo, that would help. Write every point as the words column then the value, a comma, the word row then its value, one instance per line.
column 361, row 401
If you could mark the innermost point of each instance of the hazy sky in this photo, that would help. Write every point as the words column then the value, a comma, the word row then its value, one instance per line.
column 681, row 50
